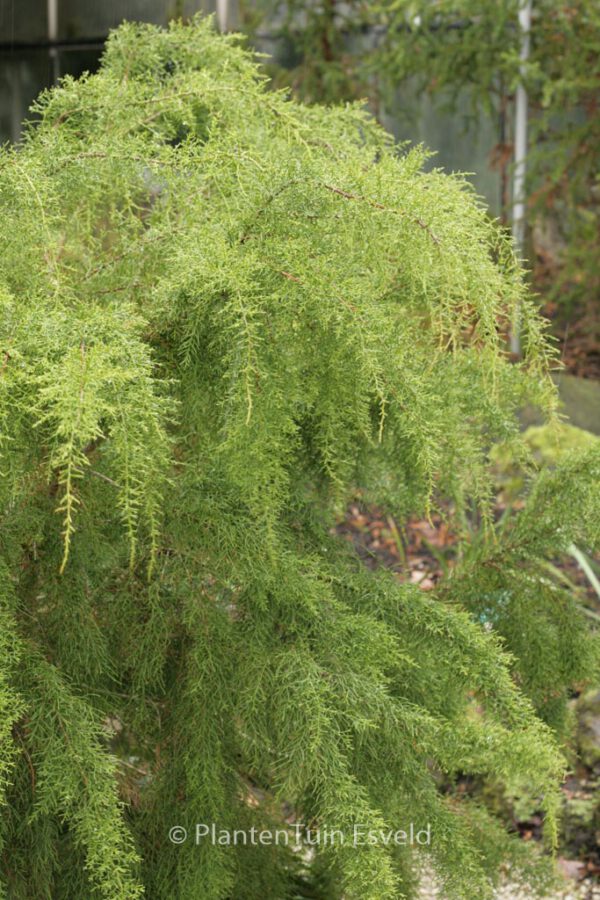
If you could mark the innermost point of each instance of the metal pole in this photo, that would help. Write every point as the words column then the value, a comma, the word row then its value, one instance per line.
column 518, row 206
column 223, row 14
column 52, row 12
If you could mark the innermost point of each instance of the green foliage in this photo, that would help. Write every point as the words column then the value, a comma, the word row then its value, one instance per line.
column 507, row 586
column 221, row 313
column 470, row 48
column 551, row 442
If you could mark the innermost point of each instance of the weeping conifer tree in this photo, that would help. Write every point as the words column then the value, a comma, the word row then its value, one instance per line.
column 222, row 314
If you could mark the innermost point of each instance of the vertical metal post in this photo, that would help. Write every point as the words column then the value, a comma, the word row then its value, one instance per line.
column 518, row 204
column 223, row 14
column 52, row 14
column 16, row 112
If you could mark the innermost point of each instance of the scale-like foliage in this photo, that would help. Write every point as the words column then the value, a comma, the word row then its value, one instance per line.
column 221, row 313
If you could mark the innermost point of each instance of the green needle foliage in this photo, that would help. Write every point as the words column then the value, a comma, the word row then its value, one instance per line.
column 468, row 50
column 221, row 313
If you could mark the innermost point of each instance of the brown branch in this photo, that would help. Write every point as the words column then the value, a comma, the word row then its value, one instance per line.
column 373, row 203
column 290, row 277
column 349, row 196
